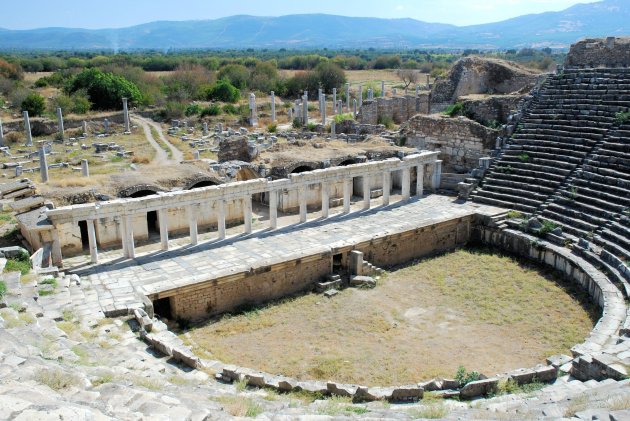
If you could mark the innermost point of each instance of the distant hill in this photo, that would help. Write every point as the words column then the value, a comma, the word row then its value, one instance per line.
column 559, row 29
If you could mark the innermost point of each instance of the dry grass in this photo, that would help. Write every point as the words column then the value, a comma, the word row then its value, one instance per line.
column 240, row 407
column 482, row 310
column 56, row 379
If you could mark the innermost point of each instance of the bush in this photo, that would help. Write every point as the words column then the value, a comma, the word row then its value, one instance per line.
column 10, row 70
column 3, row 289
column 235, row 74
column 297, row 123
column 622, row 118
column 34, row 103
column 386, row 121
column 230, row 109
column 223, row 91
column 212, row 110
column 105, row 90
column 343, row 117
column 192, row 109
column 272, row 128
column 463, row 377
column 547, row 227
column 453, row 110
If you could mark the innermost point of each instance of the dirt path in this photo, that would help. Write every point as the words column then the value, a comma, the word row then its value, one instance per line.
column 161, row 156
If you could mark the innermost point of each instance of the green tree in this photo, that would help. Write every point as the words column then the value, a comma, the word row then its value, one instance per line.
column 236, row 74
column 223, row 91
column 34, row 103
column 330, row 76
column 105, row 90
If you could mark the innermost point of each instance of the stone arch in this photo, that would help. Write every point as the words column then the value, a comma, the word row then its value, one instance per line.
column 302, row 166
column 139, row 190
column 201, row 181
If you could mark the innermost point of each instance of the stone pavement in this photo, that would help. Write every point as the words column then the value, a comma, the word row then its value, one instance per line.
column 117, row 285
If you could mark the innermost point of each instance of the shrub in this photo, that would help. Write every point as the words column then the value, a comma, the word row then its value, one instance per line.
column 343, row 117
column 272, row 128
column 20, row 264
column 235, row 74
column 547, row 227
column 223, row 91
column 211, row 110
column 192, row 109
column 34, row 103
column 622, row 118
column 463, row 377
column 297, row 123
column 386, row 121
column 105, row 90
column 453, row 110
column 230, row 109
column 311, row 127
column 523, row 157
column 3, row 289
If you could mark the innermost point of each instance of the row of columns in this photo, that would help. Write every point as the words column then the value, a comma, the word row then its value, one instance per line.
column 126, row 222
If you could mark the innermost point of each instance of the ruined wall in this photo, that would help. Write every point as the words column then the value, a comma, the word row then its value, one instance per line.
column 494, row 108
column 607, row 52
column 236, row 149
column 461, row 141
column 279, row 280
column 399, row 109
column 252, row 288
column 474, row 75
column 41, row 126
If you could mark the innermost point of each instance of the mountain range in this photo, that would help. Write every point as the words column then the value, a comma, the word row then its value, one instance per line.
column 551, row 29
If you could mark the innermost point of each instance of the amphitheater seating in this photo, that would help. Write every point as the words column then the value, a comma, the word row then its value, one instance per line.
column 569, row 160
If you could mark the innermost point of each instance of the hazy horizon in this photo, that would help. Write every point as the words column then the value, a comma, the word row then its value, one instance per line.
column 120, row 13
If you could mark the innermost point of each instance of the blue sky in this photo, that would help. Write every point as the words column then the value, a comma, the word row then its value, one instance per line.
column 121, row 13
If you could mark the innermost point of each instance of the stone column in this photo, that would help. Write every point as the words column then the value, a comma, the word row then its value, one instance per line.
column 196, row 155
column 305, row 108
column 428, row 80
column 57, row 258
column 366, row 192
column 406, row 183
column 348, row 96
column 354, row 102
column 417, row 90
column 1, row 134
column 325, row 186
column 302, row 200
column 360, row 96
column 60, row 129
column 273, row 209
column 323, row 103
column 43, row 165
column 340, row 107
column 27, row 129
column 355, row 262
column 253, row 114
column 273, row 107
column 192, row 222
column 290, row 115
column 333, row 128
column 106, row 126
column 85, row 129
column 205, row 128
column 127, row 227
column 85, row 169
column 163, row 220
column 394, row 91
column 18, row 170
column 92, row 241
column 347, row 194
column 126, row 115
column 221, row 219
column 436, row 179
column 420, row 181
column 335, row 101
column 382, row 89
column 247, row 213
column 387, row 185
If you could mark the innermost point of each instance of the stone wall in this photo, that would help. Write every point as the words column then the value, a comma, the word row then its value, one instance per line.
column 399, row 109
column 607, row 52
column 274, row 281
column 493, row 108
column 236, row 149
column 41, row 126
column 461, row 141
column 473, row 75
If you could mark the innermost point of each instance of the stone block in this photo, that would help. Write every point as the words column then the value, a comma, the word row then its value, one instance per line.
column 546, row 374
column 406, row 394
column 363, row 282
column 479, row 388
column 339, row 389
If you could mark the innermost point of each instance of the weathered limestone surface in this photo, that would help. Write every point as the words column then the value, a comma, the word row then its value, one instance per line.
column 461, row 141
column 492, row 108
column 608, row 52
column 473, row 75
column 399, row 109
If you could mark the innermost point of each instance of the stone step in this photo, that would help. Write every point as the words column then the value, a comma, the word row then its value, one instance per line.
column 577, row 195
column 603, row 192
column 503, row 204
column 620, row 176
column 612, row 247
column 522, row 184
column 528, row 175
column 607, row 183
column 578, row 215
column 544, row 151
column 568, row 224
column 516, row 201
column 524, row 192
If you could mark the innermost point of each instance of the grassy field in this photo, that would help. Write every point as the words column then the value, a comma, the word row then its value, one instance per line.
column 482, row 310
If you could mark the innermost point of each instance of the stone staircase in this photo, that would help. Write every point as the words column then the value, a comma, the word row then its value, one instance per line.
column 565, row 124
